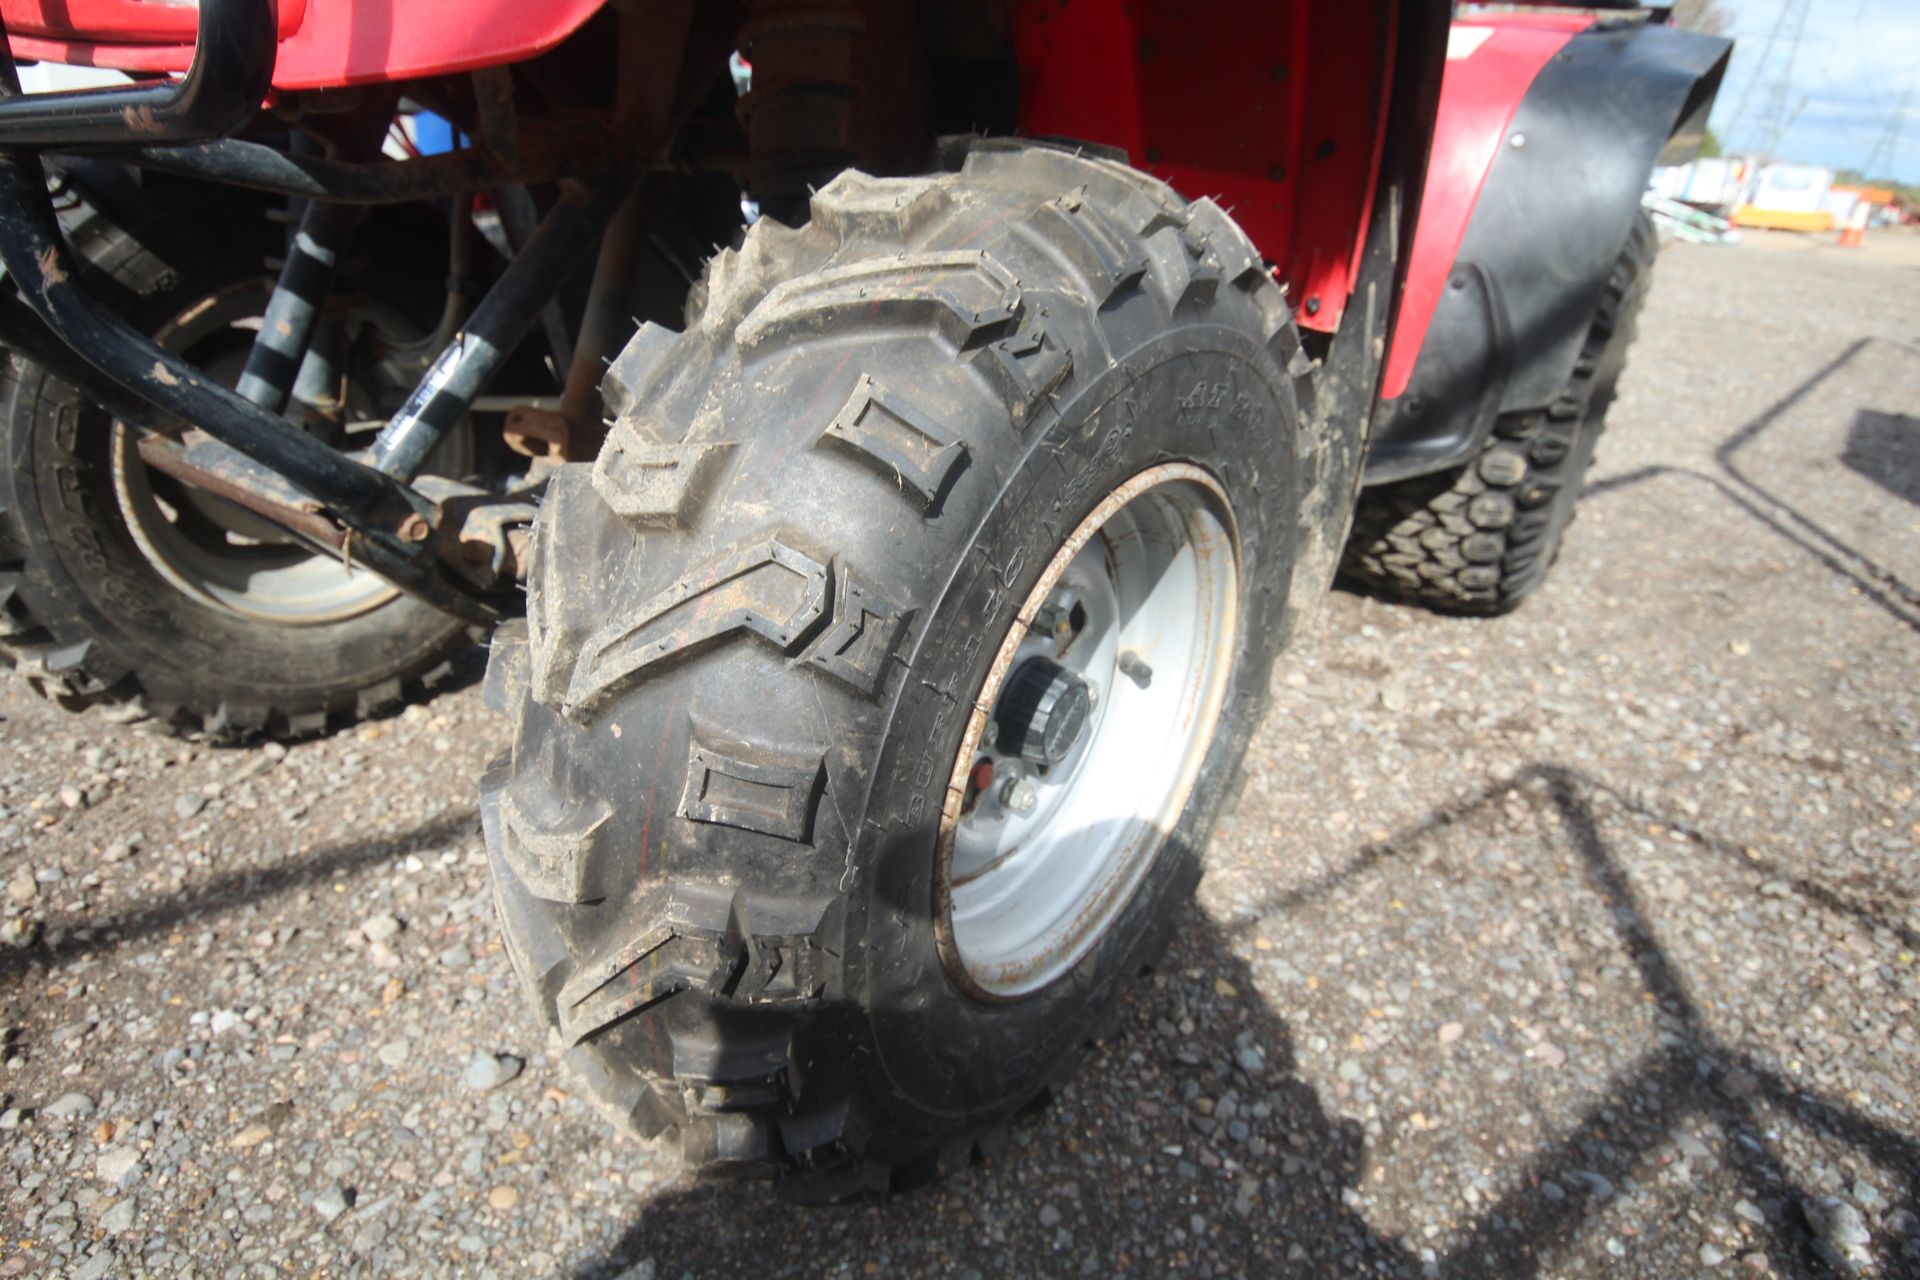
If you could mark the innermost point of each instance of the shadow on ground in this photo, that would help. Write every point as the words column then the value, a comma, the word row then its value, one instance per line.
column 228, row 893
column 1296, row 1208
column 1885, row 448
column 1882, row 447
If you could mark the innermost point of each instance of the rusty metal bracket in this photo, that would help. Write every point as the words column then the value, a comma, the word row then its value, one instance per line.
column 533, row 432
column 483, row 536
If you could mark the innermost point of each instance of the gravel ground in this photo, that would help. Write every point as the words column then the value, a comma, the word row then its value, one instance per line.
column 1576, row 943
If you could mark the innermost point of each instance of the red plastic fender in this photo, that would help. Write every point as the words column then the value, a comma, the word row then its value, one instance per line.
column 124, row 21
column 1491, row 63
column 323, row 43
column 1277, row 112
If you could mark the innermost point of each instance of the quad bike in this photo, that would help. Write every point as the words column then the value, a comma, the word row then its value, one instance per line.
column 881, row 605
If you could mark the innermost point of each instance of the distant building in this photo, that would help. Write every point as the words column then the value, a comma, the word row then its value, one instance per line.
column 1883, row 204
column 1716, row 184
column 1790, row 197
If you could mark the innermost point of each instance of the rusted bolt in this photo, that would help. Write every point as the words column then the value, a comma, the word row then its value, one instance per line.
column 415, row 529
column 1053, row 622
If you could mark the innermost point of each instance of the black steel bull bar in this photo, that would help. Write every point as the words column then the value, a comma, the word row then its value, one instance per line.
column 368, row 512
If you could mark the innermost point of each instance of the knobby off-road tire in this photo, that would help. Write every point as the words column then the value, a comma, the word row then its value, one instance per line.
column 757, row 624
column 1481, row 538
column 87, row 617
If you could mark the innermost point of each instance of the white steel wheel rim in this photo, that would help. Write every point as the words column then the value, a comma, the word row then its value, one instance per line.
column 222, row 554
column 1028, row 885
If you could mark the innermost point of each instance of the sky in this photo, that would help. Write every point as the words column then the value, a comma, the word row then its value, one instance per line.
column 1855, row 58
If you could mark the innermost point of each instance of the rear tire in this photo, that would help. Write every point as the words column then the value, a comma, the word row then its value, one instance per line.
column 91, row 614
column 759, row 625
column 1480, row 538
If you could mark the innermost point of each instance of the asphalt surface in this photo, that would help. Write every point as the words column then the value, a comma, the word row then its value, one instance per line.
column 1576, row 943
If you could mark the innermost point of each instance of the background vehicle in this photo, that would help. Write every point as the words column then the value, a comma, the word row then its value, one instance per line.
column 901, row 583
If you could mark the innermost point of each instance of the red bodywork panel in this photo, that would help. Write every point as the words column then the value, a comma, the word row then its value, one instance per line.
column 1491, row 63
column 1288, row 143
column 323, row 43
column 124, row 21
column 1282, row 125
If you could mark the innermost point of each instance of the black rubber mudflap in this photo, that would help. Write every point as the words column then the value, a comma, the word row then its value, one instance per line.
column 1481, row 538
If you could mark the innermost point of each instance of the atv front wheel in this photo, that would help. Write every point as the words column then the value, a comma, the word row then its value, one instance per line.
column 882, row 679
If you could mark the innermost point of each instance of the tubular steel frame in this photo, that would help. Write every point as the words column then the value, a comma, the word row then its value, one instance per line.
column 365, row 510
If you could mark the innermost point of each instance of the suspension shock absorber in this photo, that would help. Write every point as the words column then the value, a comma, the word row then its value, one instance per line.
column 799, row 113
column 297, row 356
column 293, row 334
column 835, row 83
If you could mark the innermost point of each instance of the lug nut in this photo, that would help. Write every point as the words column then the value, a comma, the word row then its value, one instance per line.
column 1135, row 668
column 1020, row 795
column 1054, row 623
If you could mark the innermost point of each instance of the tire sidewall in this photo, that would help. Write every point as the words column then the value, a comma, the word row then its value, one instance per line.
column 1200, row 394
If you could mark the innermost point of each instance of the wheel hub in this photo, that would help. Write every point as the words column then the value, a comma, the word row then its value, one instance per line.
column 1102, row 698
column 1044, row 712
